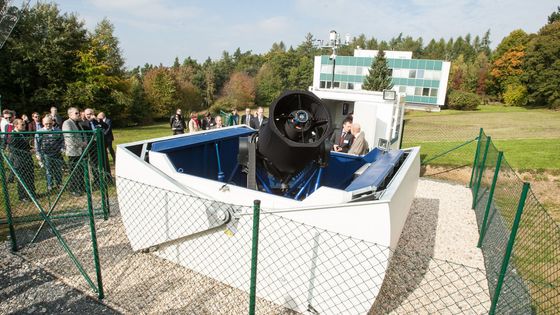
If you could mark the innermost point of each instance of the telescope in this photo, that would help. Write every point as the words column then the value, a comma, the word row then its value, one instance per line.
column 289, row 153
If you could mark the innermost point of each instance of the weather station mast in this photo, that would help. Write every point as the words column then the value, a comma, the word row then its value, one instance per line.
column 334, row 43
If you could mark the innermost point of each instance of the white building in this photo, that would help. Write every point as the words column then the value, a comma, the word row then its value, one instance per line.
column 423, row 81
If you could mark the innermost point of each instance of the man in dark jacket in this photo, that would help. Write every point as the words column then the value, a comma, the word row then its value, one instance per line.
column 259, row 120
column 343, row 140
column 108, row 132
column 91, row 123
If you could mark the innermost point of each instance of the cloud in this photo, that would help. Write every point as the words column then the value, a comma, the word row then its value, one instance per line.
column 153, row 10
column 428, row 18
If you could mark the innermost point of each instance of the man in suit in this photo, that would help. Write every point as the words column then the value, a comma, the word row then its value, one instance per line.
column 108, row 133
column 359, row 145
column 57, row 120
column 343, row 140
column 246, row 119
column 74, row 146
column 259, row 119
column 91, row 123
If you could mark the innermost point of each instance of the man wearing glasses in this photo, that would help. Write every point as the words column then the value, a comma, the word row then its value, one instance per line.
column 48, row 149
column 75, row 145
column 7, row 119
column 35, row 123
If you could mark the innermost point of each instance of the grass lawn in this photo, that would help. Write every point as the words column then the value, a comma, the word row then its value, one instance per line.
column 131, row 134
column 530, row 138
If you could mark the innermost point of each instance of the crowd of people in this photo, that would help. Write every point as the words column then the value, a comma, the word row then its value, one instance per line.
column 49, row 147
column 179, row 124
column 350, row 140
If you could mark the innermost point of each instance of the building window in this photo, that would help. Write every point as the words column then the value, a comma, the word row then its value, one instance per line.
column 350, row 86
column 426, row 92
column 433, row 92
column 328, row 84
column 402, row 89
column 418, row 91
column 412, row 74
column 343, row 85
column 336, row 84
column 420, row 74
column 390, row 72
column 322, row 84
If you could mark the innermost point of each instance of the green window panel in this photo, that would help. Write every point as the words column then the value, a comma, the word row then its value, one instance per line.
column 414, row 64
column 421, row 64
column 409, row 98
column 406, row 63
column 430, row 64
column 435, row 83
column 398, row 63
column 324, row 59
column 438, row 64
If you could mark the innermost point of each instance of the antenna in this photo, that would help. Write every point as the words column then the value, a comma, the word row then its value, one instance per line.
column 9, row 16
column 334, row 43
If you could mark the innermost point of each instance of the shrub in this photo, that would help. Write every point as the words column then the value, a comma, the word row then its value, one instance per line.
column 222, row 104
column 515, row 95
column 463, row 100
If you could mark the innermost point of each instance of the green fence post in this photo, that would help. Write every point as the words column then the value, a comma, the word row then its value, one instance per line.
column 254, row 254
column 509, row 248
column 91, row 214
column 101, row 171
column 478, row 178
column 476, row 156
column 8, row 206
column 490, row 197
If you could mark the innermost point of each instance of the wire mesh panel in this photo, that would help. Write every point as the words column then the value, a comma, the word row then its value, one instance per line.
column 536, row 256
column 484, row 175
column 176, row 253
column 446, row 151
column 49, row 199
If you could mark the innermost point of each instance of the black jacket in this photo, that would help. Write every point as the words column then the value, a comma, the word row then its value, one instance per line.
column 255, row 122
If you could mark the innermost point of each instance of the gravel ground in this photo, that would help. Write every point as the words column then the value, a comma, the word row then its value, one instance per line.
column 27, row 289
column 437, row 269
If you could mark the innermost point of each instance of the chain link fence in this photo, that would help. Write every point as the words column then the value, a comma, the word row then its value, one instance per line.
column 46, row 196
column 519, row 240
column 446, row 151
column 181, row 253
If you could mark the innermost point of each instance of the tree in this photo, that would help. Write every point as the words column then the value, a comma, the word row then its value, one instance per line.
column 240, row 90
column 515, row 39
column 555, row 16
column 101, row 84
column 457, row 73
column 542, row 67
column 268, row 85
column 38, row 58
column 161, row 92
column 379, row 77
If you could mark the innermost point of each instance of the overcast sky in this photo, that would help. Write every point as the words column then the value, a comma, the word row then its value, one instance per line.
column 155, row 31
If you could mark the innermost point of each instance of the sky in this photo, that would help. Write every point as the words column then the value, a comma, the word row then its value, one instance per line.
column 157, row 31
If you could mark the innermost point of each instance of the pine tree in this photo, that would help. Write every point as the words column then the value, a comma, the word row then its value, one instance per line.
column 379, row 77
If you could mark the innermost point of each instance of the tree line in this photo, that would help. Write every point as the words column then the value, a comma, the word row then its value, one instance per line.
column 52, row 60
